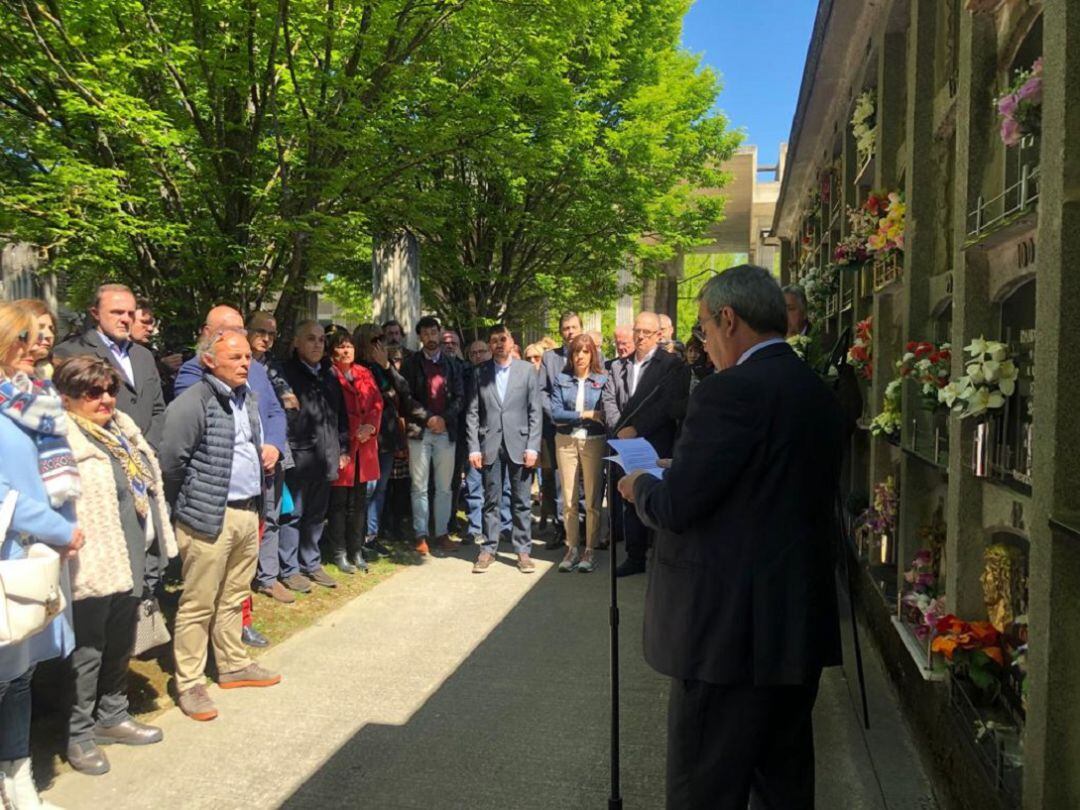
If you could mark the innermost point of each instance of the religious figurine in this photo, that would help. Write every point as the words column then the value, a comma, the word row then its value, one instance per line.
column 1004, row 584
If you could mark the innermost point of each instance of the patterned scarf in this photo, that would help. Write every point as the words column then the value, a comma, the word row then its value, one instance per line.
column 35, row 406
column 139, row 476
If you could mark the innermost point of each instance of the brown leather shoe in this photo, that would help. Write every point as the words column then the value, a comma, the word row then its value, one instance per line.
column 483, row 562
column 445, row 544
column 277, row 592
column 525, row 564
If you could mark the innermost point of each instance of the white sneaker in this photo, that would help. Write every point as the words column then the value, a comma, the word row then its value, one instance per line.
column 18, row 790
column 570, row 561
column 587, row 564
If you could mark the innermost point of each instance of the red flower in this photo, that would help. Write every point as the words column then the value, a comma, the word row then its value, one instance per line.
column 910, row 347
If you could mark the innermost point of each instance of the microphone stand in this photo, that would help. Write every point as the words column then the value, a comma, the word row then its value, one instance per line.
column 615, row 799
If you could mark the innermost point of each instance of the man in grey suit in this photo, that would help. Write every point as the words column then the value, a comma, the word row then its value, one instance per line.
column 140, row 396
column 504, row 425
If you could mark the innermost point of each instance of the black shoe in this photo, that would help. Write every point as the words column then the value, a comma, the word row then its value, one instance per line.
column 359, row 562
column 469, row 540
column 629, row 567
column 253, row 638
column 86, row 757
column 373, row 549
column 343, row 564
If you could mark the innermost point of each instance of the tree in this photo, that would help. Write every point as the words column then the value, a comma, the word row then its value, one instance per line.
column 229, row 151
column 599, row 160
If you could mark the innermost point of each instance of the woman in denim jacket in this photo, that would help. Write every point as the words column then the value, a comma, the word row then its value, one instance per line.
column 580, row 439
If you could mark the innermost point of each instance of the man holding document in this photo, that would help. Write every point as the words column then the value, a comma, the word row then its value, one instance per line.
column 741, row 601
column 640, row 401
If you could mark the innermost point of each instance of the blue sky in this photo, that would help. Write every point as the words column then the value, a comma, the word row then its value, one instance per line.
column 759, row 48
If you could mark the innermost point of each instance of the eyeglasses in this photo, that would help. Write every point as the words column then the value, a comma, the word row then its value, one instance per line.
column 645, row 332
column 377, row 338
column 98, row 391
column 699, row 332
column 265, row 333
column 531, row 357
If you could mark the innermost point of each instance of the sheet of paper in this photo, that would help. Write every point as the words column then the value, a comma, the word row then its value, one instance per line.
column 635, row 454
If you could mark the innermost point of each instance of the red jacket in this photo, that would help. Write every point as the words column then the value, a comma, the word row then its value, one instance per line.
column 363, row 404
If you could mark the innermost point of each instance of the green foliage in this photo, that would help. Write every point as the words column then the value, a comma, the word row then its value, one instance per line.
column 698, row 268
column 240, row 151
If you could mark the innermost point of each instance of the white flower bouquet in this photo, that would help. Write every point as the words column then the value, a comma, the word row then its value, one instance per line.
column 990, row 379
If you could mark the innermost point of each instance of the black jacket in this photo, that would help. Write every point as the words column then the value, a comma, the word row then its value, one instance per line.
column 319, row 429
column 395, row 396
column 417, row 413
column 742, row 587
column 144, row 401
column 658, row 404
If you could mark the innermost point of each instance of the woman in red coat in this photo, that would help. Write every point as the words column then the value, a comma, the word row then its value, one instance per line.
column 347, row 517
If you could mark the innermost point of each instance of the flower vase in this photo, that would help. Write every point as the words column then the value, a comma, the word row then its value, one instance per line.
column 983, row 450
column 887, row 549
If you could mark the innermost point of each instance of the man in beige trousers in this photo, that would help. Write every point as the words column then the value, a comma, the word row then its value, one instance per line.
column 210, row 460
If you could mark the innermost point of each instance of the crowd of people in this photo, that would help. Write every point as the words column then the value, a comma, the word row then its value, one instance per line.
column 255, row 469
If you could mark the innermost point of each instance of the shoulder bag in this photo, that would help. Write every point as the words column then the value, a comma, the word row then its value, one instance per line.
column 30, row 593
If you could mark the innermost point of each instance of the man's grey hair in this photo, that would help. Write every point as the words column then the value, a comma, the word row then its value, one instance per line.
column 207, row 344
column 800, row 295
column 754, row 295
column 109, row 288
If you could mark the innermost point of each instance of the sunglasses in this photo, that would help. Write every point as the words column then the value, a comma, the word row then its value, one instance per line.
column 532, row 357
column 699, row 332
column 98, row 391
column 23, row 336
column 265, row 333
column 377, row 338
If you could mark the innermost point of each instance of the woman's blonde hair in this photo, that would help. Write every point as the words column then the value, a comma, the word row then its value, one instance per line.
column 534, row 348
column 14, row 321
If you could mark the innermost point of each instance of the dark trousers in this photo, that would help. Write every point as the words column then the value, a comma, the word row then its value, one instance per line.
column 269, row 551
column 347, row 520
column 300, row 535
column 15, row 710
column 104, row 637
column 520, row 503
column 728, row 744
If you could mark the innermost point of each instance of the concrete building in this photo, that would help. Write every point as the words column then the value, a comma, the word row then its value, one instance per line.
column 991, row 234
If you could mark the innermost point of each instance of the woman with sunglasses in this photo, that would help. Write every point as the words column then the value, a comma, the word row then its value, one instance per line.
column 122, row 510
column 37, row 466
column 45, row 338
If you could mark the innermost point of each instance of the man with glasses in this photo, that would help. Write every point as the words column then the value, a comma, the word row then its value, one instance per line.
column 143, row 331
column 111, row 338
column 641, row 399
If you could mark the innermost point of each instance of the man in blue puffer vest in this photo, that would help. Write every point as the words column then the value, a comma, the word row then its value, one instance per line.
column 212, row 470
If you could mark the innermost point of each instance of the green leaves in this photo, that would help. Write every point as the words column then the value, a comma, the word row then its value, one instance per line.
column 244, row 149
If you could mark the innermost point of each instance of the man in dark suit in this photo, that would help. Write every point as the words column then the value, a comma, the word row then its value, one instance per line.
column 741, row 601
column 640, row 401
column 140, row 396
column 504, row 425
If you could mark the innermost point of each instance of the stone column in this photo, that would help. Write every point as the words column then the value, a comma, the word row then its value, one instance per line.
column 920, row 260
column 891, row 109
column 1052, row 741
column 395, row 281
column 971, row 310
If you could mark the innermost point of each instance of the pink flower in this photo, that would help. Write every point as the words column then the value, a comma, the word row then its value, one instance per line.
column 1031, row 90
column 1037, row 67
column 1011, row 135
column 1007, row 105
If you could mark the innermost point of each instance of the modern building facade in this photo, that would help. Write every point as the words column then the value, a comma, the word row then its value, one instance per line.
column 934, row 101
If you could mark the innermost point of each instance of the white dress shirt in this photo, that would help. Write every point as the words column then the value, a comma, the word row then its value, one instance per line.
column 757, row 347
column 121, row 352
column 637, row 366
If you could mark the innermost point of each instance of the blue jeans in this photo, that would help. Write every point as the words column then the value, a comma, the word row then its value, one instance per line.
column 15, row 717
column 301, row 533
column 269, row 559
column 376, row 493
column 474, row 501
column 431, row 455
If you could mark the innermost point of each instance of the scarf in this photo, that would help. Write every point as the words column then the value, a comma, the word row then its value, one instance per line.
column 35, row 406
column 140, row 477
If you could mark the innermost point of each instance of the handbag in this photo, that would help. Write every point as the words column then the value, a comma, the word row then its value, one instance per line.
column 30, row 593
column 150, row 629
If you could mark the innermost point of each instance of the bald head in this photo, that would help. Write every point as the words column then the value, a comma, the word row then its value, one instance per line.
column 310, row 342
column 646, row 333
column 222, row 317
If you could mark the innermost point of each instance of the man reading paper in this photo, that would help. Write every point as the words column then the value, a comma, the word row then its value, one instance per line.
column 741, row 601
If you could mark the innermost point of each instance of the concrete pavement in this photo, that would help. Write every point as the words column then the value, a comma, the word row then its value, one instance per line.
column 444, row 689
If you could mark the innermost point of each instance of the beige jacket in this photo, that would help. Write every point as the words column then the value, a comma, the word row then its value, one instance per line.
column 102, row 567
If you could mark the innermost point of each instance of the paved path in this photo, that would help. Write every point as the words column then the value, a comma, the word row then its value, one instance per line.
column 441, row 689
